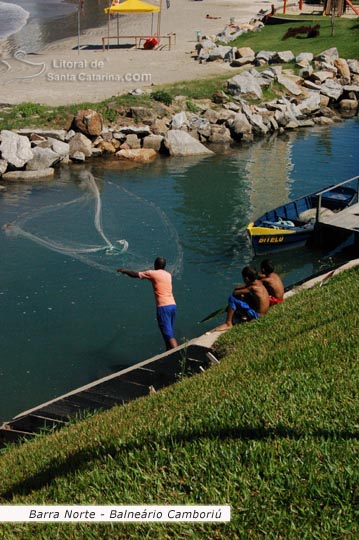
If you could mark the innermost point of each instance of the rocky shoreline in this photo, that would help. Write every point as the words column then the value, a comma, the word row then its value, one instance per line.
column 318, row 90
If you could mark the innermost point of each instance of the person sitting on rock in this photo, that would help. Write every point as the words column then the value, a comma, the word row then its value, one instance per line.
column 247, row 302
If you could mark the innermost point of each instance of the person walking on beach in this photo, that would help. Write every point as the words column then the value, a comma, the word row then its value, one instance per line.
column 272, row 282
column 165, row 303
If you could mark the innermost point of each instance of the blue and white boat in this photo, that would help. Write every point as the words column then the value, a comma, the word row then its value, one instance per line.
column 292, row 225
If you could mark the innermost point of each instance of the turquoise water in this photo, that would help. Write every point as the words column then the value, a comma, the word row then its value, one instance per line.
column 68, row 318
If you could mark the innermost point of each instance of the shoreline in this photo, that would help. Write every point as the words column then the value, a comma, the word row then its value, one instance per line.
column 37, row 77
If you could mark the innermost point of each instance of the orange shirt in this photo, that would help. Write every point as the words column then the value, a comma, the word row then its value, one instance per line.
column 162, row 286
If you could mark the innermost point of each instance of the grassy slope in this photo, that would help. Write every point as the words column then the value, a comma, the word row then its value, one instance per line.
column 272, row 431
column 346, row 38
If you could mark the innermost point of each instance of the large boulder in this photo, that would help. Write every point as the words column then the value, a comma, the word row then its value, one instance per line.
column 343, row 69
column 43, row 159
column 15, row 149
column 328, row 55
column 310, row 105
column 28, row 176
column 88, row 122
column 240, row 128
column 290, row 85
column 245, row 83
column 60, row 147
column 180, row 143
column 80, row 143
column 332, row 89
column 138, row 155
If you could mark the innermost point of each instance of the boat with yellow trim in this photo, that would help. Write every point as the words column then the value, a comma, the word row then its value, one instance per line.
column 292, row 225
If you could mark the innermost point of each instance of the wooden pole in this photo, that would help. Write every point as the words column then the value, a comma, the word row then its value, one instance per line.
column 284, row 7
column 159, row 20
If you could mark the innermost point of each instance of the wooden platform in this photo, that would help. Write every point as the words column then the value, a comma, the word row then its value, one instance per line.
column 346, row 220
column 117, row 389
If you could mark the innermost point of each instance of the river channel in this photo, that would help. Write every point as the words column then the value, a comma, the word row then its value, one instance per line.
column 68, row 318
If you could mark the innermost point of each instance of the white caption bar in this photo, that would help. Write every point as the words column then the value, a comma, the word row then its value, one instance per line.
column 46, row 513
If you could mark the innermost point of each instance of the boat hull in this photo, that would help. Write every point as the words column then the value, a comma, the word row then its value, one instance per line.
column 272, row 241
column 292, row 225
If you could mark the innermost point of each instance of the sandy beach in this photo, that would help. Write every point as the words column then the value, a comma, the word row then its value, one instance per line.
column 62, row 73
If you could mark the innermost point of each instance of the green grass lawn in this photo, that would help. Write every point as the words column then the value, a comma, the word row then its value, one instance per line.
column 345, row 39
column 273, row 431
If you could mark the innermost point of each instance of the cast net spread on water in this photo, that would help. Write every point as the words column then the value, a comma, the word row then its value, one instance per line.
column 106, row 227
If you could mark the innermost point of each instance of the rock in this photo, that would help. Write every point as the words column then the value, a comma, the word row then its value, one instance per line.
column 106, row 147
column 290, row 85
column 211, row 115
column 243, row 61
column 353, row 66
column 343, row 69
column 322, row 76
column 258, row 125
column 133, row 141
column 220, row 135
column 266, row 56
column 282, row 57
column 3, row 166
column 69, row 135
column 221, row 52
column 324, row 101
column 225, row 116
column 348, row 105
column 61, row 148
column 28, row 176
column 89, row 122
column 240, row 128
column 139, row 155
column 310, row 105
column 43, row 158
column 245, row 83
column 332, row 89
column 306, row 72
column 328, row 56
column 304, row 59
column 220, row 97
column 323, row 121
column 292, row 124
column 78, row 156
column 179, row 120
column 159, row 127
column 80, row 143
column 311, row 85
column 55, row 133
column 144, row 115
column 180, row 143
column 245, row 52
column 15, row 149
column 153, row 141
column 96, row 152
column 140, row 131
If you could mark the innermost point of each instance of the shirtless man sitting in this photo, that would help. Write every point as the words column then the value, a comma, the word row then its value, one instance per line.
column 272, row 282
column 248, row 301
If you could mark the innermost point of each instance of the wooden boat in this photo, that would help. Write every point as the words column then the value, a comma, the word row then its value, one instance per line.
column 292, row 225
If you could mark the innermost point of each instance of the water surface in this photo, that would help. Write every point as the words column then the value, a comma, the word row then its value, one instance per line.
column 68, row 318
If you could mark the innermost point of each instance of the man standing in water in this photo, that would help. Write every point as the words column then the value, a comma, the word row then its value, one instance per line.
column 165, row 302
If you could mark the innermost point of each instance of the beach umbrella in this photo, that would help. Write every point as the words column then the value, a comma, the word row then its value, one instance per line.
column 131, row 6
